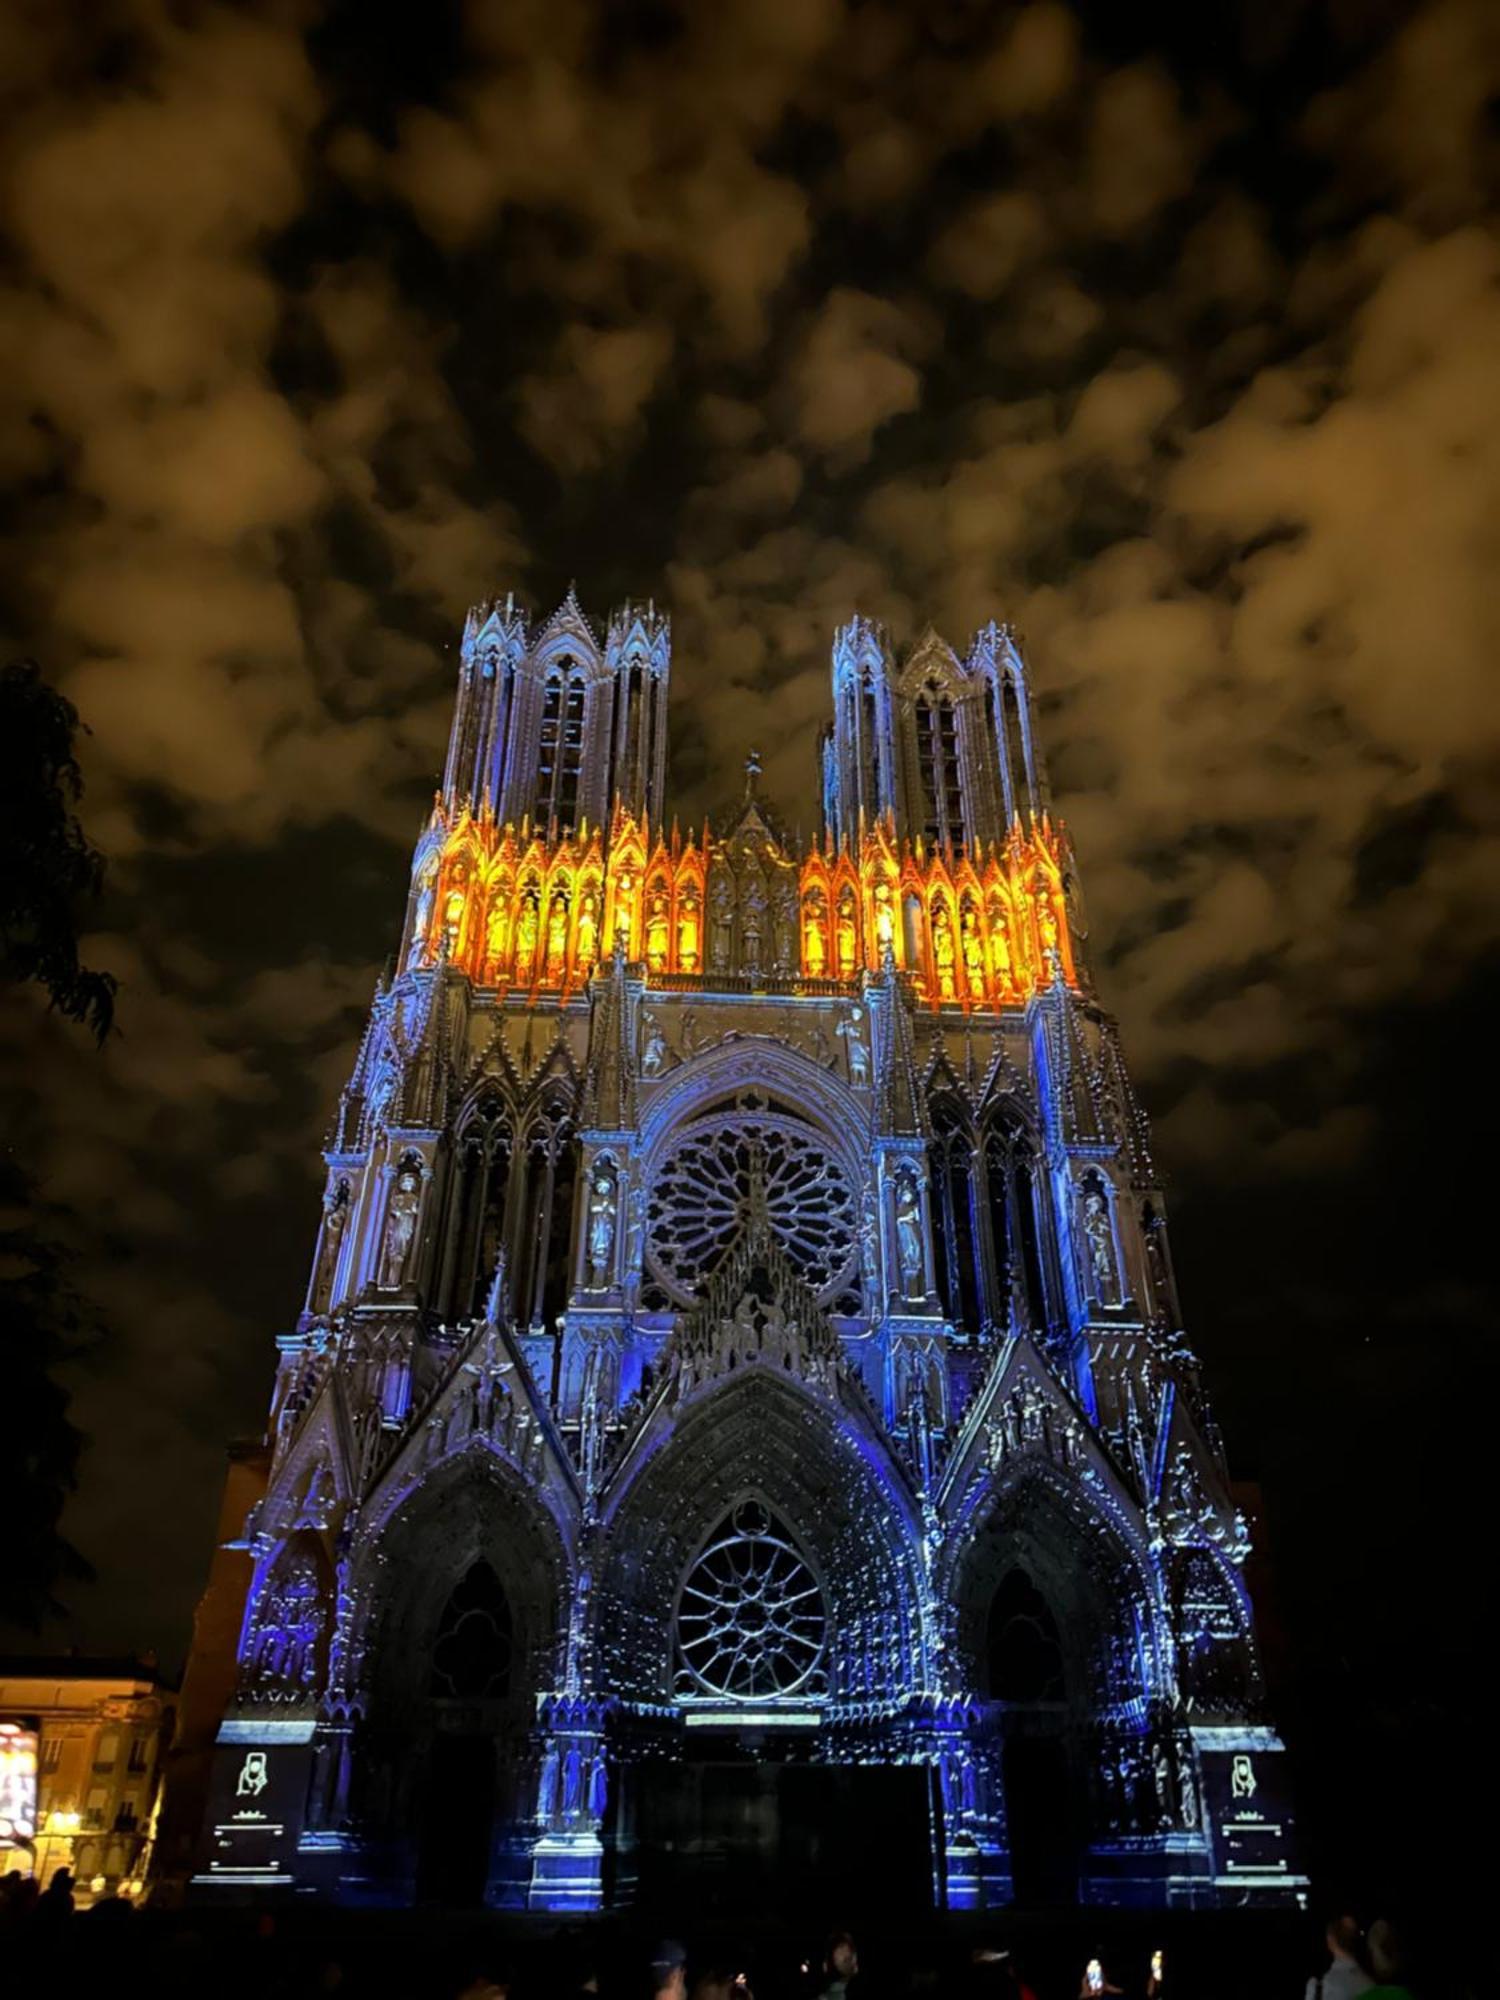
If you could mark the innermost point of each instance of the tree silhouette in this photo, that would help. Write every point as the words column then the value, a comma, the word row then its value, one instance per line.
column 44, row 1322
column 47, row 866
column 48, row 871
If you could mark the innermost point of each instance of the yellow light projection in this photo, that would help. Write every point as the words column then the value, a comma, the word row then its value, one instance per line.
column 515, row 911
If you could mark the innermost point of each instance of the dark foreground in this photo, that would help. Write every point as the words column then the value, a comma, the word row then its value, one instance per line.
column 290, row 1952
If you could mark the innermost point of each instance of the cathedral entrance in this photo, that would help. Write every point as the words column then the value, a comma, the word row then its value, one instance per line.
column 458, row 1817
column 1040, row 1817
column 727, row 1835
column 1028, row 1672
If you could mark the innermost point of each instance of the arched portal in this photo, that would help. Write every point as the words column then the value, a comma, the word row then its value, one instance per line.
column 1055, row 1613
column 461, row 1589
column 784, row 1544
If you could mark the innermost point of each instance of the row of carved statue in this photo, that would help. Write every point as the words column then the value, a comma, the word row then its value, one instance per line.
column 544, row 915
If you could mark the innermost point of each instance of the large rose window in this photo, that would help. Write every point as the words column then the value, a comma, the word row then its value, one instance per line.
column 751, row 1622
column 721, row 1173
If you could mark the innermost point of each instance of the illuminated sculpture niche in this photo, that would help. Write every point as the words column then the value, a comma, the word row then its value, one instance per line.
column 512, row 909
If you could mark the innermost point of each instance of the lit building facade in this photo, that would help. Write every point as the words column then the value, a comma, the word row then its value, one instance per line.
column 741, row 1331
column 103, row 1729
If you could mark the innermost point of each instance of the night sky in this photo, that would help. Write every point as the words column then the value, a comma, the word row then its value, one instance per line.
column 1177, row 345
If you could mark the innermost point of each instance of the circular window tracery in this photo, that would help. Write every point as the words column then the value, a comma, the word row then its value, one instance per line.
column 714, row 1178
column 751, row 1621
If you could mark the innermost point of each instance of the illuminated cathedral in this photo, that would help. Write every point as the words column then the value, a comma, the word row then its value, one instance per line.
column 740, row 1420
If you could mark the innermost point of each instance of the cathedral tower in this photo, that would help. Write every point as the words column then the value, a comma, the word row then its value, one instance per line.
column 741, row 1338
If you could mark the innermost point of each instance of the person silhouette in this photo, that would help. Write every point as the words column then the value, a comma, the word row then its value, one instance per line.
column 1346, row 1978
column 55, row 1904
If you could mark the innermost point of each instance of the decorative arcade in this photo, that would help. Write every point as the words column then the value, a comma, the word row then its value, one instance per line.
column 741, row 1382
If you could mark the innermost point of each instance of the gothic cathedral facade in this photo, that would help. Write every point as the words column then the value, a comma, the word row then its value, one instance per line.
column 742, row 1331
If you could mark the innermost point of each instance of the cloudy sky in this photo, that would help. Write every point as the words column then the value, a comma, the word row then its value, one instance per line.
column 1175, row 345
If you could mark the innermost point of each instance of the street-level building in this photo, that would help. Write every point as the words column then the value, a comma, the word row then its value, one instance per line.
column 103, row 1728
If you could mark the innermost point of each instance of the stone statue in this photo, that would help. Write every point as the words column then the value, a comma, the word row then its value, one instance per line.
column 688, row 927
column 1100, row 1236
column 721, row 902
column 546, row 1791
column 598, row 1787
column 814, row 951
column 773, row 1330
column 909, row 1237
column 657, row 933
column 423, row 917
column 624, row 925
column 654, row 1055
column 526, row 934
column 752, row 921
column 943, row 954
column 497, row 936
column 885, row 919
column 1046, row 924
column 785, row 948
column 1000, row 958
column 400, row 1227
column 588, row 929
column 557, row 936
column 973, row 953
column 847, row 937
column 601, row 1230
column 453, row 919
column 859, row 1058
column 335, row 1215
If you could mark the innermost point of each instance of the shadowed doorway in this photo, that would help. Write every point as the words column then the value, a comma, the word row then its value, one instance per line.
column 1028, row 1674
column 743, row 1834
column 470, row 1675
column 458, row 1817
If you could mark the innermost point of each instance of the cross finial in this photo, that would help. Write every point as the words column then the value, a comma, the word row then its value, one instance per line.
column 752, row 772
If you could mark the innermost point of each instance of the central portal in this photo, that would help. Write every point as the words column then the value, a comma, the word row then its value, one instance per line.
column 831, row 1841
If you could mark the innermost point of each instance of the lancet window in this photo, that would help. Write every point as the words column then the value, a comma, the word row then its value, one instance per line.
column 960, row 1278
column 477, row 1209
column 1025, row 1652
column 546, row 1228
column 938, row 765
column 1010, row 1197
column 472, row 1651
column 1010, row 732
column 560, row 747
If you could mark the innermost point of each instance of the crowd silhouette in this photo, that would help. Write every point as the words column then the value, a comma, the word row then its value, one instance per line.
column 113, row 1946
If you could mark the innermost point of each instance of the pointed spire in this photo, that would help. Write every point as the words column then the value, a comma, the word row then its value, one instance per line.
column 897, row 1097
column 610, row 1092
